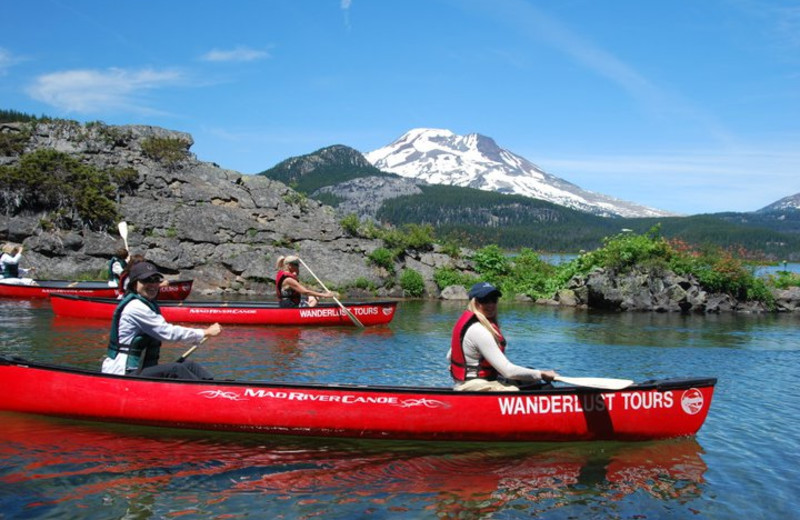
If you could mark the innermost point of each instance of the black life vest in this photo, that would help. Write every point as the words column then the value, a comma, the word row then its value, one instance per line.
column 286, row 296
column 112, row 276
column 142, row 344
column 10, row 270
column 458, row 364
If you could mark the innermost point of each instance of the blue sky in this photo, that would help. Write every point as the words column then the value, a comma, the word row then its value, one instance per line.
column 683, row 105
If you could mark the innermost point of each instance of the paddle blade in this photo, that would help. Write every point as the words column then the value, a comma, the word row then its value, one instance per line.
column 123, row 230
column 604, row 383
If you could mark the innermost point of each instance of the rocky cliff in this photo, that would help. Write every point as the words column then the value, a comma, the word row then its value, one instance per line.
column 197, row 220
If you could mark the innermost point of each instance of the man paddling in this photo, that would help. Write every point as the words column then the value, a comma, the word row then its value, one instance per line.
column 138, row 328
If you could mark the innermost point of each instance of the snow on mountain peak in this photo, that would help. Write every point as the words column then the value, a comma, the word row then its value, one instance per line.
column 440, row 156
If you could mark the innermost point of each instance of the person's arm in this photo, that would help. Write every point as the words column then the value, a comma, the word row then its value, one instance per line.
column 138, row 317
column 302, row 289
column 483, row 340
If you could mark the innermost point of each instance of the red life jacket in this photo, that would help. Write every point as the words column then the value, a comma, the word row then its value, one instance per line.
column 286, row 294
column 458, row 366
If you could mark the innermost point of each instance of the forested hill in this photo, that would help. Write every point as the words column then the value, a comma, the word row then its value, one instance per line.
column 477, row 218
column 325, row 167
column 513, row 221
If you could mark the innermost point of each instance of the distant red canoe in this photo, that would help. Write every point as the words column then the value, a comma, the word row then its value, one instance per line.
column 235, row 312
column 176, row 290
column 649, row 410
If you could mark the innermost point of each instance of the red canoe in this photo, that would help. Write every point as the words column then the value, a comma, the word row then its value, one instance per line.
column 649, row 410
column 235, row 312
column 176, row 290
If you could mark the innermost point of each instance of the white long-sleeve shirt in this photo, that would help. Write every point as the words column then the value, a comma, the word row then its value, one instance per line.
column 479, row 343
column 138, row 318
column 6, row 258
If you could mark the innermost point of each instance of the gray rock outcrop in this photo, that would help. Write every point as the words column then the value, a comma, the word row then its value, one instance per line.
column 659, row 291
column 219, row 227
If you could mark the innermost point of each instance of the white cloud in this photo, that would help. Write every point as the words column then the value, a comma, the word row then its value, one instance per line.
column 6, row 60
column 345, row 5
column 237, row 54
column 91, row 91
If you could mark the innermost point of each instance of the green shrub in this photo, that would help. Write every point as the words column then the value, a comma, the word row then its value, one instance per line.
column 784, row 280
column 529, row 275
column 350, row 224
column 74, row 194
column 447, row 276
column 168, row 151
column 12, row 144
column 491, row 263
column 382, row 257
column 363, row 283
column 412, row 283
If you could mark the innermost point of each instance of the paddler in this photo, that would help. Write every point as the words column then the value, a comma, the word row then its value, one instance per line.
column 290, row 292
column 138, row 328
column 477, row 348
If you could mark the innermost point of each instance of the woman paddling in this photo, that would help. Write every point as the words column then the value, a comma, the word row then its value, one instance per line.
column 10, row 271
column 137, row 330
column 290, row 292
column 477, row 348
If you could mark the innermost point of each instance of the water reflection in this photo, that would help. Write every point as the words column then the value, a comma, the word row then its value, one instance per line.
column 99, row 471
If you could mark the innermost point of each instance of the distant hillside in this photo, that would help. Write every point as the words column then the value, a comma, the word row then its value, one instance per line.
column 341, row 177
column 478, row 217
column 785, row 221
column 325, row 167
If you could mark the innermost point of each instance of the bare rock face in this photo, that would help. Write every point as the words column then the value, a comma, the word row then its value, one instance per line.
column 197, row 220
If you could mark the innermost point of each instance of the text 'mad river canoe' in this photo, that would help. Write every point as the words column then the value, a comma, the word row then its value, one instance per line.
column 648, row 410
column 176, row 290
column 235, row 312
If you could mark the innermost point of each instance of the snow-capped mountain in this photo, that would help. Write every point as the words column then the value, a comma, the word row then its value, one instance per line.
column 475, row 161
column 791, row 202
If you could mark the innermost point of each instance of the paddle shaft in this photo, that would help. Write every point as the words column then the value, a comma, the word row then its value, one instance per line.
column 345, row 309
column 189, row 352
column 596, row 382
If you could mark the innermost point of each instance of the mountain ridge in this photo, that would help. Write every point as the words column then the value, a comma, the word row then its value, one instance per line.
column 439, row 156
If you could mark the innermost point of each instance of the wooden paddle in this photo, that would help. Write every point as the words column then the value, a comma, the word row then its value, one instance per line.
column 189, row 352
column 596, row 382
column 123, row 232
column 345, row 309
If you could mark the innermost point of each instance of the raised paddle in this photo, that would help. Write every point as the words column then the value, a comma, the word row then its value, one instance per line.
column 123, row 232
column 596, row 382
column 345, row 309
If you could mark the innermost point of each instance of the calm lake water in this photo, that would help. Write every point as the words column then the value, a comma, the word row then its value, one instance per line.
column 744, row 463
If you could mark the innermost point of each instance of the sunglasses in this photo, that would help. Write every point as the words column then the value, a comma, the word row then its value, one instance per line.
column 152, row 279
column 488, row 299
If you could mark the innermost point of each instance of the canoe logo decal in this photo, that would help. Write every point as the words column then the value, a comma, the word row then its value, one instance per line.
column 388, row 310
column 427, row 403
column 213, row 394
column 692, row 401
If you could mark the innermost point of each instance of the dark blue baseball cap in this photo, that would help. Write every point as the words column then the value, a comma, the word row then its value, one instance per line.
column 483, row 289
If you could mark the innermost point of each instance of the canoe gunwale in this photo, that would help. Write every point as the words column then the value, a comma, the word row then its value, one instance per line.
column 653, row 384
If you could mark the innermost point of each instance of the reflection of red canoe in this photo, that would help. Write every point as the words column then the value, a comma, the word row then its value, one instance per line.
column 454, row 480
column 235, row 312
column 176, row 290
column 649, row 410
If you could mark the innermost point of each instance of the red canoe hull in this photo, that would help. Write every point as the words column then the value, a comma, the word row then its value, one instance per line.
column 176, row 290
column 650, row 410
column 236, row 313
